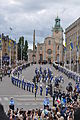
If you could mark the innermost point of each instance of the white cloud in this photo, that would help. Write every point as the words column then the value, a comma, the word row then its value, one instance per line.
column 26, row 15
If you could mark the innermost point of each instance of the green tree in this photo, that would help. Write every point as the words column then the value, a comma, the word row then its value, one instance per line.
column 20, row 46
column 26, row 50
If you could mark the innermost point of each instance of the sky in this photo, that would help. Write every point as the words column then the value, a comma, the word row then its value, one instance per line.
column 23, row 16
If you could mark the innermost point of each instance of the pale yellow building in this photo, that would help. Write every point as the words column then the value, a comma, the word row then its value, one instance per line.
column 6, row 51
column 73, row 33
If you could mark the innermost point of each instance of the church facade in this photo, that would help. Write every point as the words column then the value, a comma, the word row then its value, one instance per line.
column 51, row 49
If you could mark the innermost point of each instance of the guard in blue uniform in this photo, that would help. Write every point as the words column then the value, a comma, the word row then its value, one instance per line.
column 40, row 70
column 12, row 79
column 46, row 90
column 29, row 87
column 19, row 83
column 34, row 79
column 32, row 87
column 36, row 88
column 18, row 74
column 15, row 81
column 41, row 90
column 36, row 70
column 22, row 83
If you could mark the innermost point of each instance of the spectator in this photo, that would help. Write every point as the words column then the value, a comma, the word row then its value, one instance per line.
column 3, row 116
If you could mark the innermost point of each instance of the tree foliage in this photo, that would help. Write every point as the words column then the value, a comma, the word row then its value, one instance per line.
column 23, row 47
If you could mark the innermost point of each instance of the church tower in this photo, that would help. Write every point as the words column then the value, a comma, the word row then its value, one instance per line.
column 57, row 34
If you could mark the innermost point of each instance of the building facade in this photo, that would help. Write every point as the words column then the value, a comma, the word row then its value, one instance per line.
column 8, row 53
column 51, row 49
column 72, row 33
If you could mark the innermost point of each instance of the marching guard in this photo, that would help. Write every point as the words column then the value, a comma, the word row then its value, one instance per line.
column 41, row 89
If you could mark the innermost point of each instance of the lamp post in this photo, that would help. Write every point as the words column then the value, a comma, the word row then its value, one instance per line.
column 10, row 47
column 1, row 51
column 77, row 61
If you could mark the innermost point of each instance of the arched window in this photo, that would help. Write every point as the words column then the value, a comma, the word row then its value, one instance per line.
column 49, row 51
column 58, row 47
column 49, row 42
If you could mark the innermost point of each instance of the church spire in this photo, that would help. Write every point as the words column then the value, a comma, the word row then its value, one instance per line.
column 57, row 22
column 57, row 26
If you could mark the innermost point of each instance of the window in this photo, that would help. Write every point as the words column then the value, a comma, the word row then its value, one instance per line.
column 58, row 47
column 5, row 44
column 49, row 42
column 49, row 51
column 40, row 48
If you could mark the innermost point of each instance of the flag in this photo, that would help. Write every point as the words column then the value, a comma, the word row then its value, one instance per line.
column 77, row 44
column 14, row 43
column 65, row 46
column 71, row 45
column 0, row 43
column 9, row 44
column 65, row 42
column 10, row 28
column 64, row 49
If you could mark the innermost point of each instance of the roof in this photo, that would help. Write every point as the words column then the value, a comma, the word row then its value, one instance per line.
column 74, row 24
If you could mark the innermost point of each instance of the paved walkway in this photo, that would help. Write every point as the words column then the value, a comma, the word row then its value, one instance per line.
column 24, row 99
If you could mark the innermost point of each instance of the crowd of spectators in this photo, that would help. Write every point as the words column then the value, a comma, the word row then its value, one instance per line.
column 70, row 112
column 66, row 107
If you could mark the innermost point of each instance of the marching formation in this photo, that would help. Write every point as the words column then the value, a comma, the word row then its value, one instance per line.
column 68, row 73
column 42, row 76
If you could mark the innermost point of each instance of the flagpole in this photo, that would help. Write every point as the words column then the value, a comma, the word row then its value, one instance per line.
column 1, row 51
column 65, row 60
column 77, row 61
column 21, row 51
column 1, row 59
column 70, row 59
column 10, row 56
column 16, row 54
column 59, row 55
column 10, row 48
column 77, row 50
